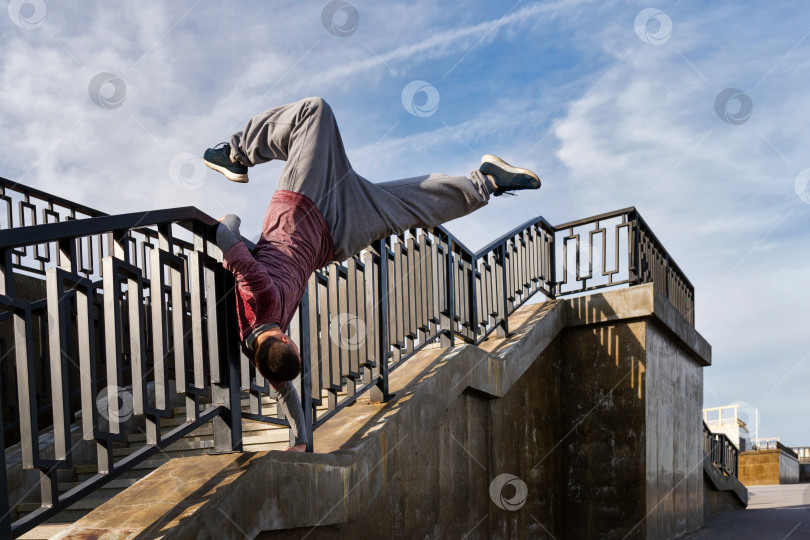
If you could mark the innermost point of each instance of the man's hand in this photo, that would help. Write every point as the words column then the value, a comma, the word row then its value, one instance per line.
column 228, row 232
column 297, row 448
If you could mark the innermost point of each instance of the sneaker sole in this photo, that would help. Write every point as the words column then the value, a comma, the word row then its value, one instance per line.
column 240, row 178
column 498, row 162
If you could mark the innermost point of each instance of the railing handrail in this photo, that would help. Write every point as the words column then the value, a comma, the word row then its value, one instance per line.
column 498, row 241
column 66, row 230
column 45, row 196
column 53, row 232
column 672, row 262
column 600, row 217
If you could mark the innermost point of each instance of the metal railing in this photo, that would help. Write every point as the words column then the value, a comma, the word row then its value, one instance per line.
column 766, row 443
column 150, row 309
column 772, row 443
column 802, row 452
column 724, row 454
column 22, row 206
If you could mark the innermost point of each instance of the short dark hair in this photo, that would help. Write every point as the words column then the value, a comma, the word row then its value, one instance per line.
column 277, row 360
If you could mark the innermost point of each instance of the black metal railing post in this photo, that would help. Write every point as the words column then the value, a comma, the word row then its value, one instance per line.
column 473, row 295
column 448, row 317
column 500, row 265
column 6, row 273
column 634, row 249
column 5, row 510
column 306, row 370
column 227, row 427
column 736, row 461
column 379, row 392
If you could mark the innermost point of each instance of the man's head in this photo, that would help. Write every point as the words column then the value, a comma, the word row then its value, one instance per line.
column 276, row 357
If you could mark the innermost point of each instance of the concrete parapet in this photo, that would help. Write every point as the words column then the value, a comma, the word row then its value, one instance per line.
column 592, row 404
column 771, row 466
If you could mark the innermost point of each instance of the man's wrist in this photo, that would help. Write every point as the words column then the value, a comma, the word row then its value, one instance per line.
column 228, row 232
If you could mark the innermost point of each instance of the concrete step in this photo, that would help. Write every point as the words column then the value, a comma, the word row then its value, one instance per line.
column 83, row 472
column 266, row 400
column 179, row 413
column 193, row 444
column 118, row 484
column 45, row 531
column 266, row 433
column 208, row 429
column 268, row 409
column 72, row 513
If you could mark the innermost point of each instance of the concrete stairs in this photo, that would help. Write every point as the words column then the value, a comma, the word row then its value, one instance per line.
column 256, row 436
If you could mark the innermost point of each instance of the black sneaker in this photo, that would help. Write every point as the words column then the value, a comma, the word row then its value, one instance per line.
column 507, row 177
column 218, row 158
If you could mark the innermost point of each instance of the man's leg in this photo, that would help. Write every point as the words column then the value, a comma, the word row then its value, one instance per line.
column 306, row 136
column 388, row 208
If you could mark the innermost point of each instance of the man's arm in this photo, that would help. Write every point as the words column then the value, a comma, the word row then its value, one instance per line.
column 235, row 255
column 290, row 405
column 256, row 289
column 252, row 278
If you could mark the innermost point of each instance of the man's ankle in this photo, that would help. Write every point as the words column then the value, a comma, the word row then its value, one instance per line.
column 492, row 185
column 230, row 155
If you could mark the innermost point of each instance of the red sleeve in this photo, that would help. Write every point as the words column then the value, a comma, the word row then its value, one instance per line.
column 244, row 267
column 258, row 298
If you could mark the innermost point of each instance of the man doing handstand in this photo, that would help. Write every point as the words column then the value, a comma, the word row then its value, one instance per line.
column 322, row 211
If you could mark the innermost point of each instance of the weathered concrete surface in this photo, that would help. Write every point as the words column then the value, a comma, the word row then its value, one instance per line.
column 721, row 493
column 421, row 464
column 632, row 391
column 453, row 458
column 779, row 512
column 768, row 467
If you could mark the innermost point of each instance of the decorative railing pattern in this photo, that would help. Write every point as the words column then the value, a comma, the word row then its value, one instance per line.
column 140, row 300
column 766, row 443
column 773, row 443
column 23, row 206
column 724, row 454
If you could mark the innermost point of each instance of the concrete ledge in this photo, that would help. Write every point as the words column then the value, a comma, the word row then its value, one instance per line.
column 640, row 301
column 360, row 449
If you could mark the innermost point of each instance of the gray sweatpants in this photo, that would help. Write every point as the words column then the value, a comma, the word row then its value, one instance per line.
column 358, row 212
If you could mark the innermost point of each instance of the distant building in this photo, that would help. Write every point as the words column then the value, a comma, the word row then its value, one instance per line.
column 726, row 420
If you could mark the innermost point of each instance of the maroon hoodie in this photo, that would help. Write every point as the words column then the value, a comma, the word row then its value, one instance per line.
column 270, row 281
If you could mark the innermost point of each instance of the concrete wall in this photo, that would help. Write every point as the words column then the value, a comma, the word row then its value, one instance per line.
column 593, row 404
column 675, row 448
column 603, row 459
column 718, row 502
column 634, row 396
column 768, row 467
column 442, row 489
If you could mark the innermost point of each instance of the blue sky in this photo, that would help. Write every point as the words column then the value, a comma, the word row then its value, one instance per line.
column 609, row 116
